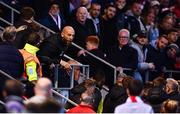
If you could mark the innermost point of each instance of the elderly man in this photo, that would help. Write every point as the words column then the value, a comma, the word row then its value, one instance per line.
column 52, row 50
column 122, row 55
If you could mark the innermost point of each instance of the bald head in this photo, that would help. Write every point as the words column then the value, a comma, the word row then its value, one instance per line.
column 81, row 15
column 43, row 87
column 67, row 34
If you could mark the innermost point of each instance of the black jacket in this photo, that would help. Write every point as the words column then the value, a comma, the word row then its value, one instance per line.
column 52, row 49
column 126, row 57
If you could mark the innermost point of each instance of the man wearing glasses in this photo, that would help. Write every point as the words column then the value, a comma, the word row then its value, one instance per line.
column 122, row 55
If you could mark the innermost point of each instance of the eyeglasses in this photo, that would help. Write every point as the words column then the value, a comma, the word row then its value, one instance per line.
column 125, row 37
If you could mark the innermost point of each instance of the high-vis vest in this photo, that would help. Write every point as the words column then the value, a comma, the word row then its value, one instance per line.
column 28, row 57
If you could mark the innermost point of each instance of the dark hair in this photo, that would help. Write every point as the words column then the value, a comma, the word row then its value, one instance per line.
column 135, row 87
column 13, row 88
column 27, row 13
column 33, row 39
column 110, row 5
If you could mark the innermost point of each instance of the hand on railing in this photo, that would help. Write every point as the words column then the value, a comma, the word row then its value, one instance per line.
column 81, row 52
column 119, row 69
column 65, row 64
column 23, row 27
column 151, row 66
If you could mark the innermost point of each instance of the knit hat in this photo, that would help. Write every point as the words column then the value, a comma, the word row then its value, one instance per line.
column 174, row 46
column 154, row 3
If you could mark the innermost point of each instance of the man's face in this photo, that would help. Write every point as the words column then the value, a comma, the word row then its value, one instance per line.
column 89, row 46
column 142, row 40
column 123, row 39
column 171, row 52
column 150, row 18
column 110, row 12
column 137, row 9
column 167, row 24
column 120, row 4
column 81, row 15
column 68, row 36
column 172, row 37
column 54, row 9
column 162, row 43
column 95, row 10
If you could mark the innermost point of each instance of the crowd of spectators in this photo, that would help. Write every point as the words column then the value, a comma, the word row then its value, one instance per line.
column 139, row 35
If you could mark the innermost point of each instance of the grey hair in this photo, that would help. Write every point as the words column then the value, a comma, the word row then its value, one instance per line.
column 125, row 30
column 9, row 34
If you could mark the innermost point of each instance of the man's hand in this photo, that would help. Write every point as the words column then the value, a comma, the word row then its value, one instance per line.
column 119, row 69
column 65, row 64
column 81, row 52
column 23, row 27
column 151, row 66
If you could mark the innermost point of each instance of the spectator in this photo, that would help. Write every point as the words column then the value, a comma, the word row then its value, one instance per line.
column 26, row 19
column 122, row 55
column 94, row 14
column 83, row 27
column 166, row 24
column 92, row 45
column 54, row 20
column 173, row 36
column 52, row 50
column 85, row 105
column 47, row 106
column 169, row 106
column 134, row 104
column 171, row 54
column 13, row 94
column 172, row 89
column 32, row 67
column 42, row 91
column 139, row 44
column 108, row 27
column 156, row 54
column 11, row 60
column 134, row 22
column 117, row 95
column 151, row 26
column 121, row 7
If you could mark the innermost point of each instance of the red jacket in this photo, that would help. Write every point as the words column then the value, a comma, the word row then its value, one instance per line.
column 82, row 109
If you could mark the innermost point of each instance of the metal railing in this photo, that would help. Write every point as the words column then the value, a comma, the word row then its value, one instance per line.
column 96, row 57
column 55, row 92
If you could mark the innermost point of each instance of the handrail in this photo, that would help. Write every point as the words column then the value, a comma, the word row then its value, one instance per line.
column 55, row 92
column 5, row 21
column 1, row 2
column 77, row 46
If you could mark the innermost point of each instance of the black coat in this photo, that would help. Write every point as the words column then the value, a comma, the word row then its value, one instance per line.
column 82, row 31
column 50, row 23
column 157, row 57
column 21, row 36
column 95, row 65
column 11, row 62
column 51, row 51
column 126, row 57
column 52, row 48
column 133, row 25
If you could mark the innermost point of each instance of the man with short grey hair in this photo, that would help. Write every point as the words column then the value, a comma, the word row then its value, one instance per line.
column 122, row 55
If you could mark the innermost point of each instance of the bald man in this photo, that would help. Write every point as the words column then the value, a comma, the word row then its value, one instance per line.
column 53, row 48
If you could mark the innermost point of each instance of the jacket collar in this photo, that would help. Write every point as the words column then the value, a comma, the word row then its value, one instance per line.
column 31, row 49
